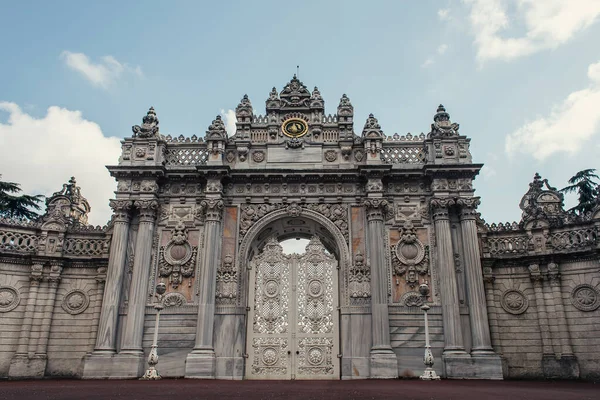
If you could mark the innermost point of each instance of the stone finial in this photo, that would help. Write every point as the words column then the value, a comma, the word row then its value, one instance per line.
column 372, row 130
column 149, row 127
column 67, row 205
column 273, row 102
column 216, row 130
column 244, row 109
column 539, row 203
column 316, row 101
column 442, row 126
column 295, row 94
column 345, row 107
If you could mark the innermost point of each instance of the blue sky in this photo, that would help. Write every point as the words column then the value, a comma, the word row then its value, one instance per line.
column 521, row 77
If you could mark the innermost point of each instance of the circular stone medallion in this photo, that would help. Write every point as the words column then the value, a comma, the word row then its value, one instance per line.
column 514, row 302
column 9, row 298
column 315, row 355
column 271, row 288
column 75, row 302
column 585, row 297
column 270, row 356
column 315, row 288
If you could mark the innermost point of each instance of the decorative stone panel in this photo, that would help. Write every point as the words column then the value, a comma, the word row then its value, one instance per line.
column 514, row 302
column 75, row 302
column 585, row 297
column 9, row 298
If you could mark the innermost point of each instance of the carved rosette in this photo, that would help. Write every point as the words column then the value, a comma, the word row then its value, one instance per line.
column 75, row 302
column 227, row 280
column 212, row 209
column 514, row 302
column 585, row 297
column 147, row 209
column 177, row 258
column 376, row 208
column 121, row 210
column 468, row 207
column 409, row 256
column 9, row 298
column 359, row 281
column 412, row 299
column 174, row 299
column 440, row 207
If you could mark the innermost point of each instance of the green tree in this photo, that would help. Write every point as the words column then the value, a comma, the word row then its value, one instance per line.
column 584, row 185
column 13, row 205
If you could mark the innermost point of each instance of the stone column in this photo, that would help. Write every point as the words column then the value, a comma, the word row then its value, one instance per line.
column 480, row 328
column 201, row 362
column 537, row 279
column 19, row 364
column 448, row 289
column 488, row 279
column 100, row 281
column 107, row 327
column 53, row 282
column 138, row 291
column 383, row 358
column 563, row 329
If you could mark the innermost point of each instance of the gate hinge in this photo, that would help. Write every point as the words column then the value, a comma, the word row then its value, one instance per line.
column 245, row 355
column 248, row 308
column 340, row 356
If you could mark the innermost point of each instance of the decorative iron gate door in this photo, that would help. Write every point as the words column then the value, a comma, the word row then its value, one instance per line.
column 293, row 321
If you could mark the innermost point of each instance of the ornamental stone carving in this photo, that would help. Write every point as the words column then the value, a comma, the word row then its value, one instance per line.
column 585, row 297
column 212, row 209
column 149, row 127
column 147, row 209
column 442, row 127
column 359, row 280
column 258, row 156
column 409, row 256
column 177, row 258
column 227, row 280
column 468, row 207
column 376, row 208
column 9, row 298
column 440, row 207
column 174, row 299
column 514, row 302
column 75, row 302
column 411, row 299
column 331, row 155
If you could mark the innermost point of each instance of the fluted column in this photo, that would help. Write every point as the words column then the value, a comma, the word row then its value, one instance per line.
column 34, row 278
column 100, row 281
column 563, row 329
column 480, row 328
column 138, row 291
column 448, row 289
column 537, row 279
column 107, row 327
column 200, row 362
column 488, row 279
column 48, row 307
column 375, row 210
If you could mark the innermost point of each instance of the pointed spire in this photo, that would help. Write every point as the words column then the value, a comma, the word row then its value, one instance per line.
column 345, row 107
column 149, row 126
column 316, row 101
column 372, row 129
column 244, row 109
column 216, row 130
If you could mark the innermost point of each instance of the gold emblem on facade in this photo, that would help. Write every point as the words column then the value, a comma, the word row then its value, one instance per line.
column 295, row 127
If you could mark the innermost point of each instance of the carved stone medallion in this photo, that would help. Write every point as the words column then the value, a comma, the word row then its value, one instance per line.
column 75, row 302
column 411, row 299
column 294, row 127
column 174, row 299
column 331, row 155
column 585, row 297
column 514, row 302
column 9, row 298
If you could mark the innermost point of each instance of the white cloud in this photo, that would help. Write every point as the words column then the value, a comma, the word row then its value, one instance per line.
column 442, row 48
column 43, row 153
column 444, row 14
column 568, row 127
column 548, row 24
column 427, row 62
column 102, row 74
column 229, row 119
column 488, row 172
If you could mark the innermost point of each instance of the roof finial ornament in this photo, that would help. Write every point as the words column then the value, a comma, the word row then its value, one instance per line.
column 149, row 126
column 441, row 123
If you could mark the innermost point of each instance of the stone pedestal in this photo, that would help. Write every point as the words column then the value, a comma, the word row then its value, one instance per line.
column 201, row 365
column 24, row 367
column 464, row 366
column 565, row 367
column 113, row 366
column 383, row 365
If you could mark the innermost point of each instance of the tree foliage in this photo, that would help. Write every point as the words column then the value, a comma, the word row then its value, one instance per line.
column 583, row 183
column 16, row 205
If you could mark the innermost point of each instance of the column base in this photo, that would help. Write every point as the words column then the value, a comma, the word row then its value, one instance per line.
column 24, row 367
column 201, row 364
column 480, row 366
column 565, row 367
column 383, row 365
column 113, row 366
column 229, row 368
column 355, row 367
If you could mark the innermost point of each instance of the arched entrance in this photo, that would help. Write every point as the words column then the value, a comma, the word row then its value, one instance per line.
column 293, row 322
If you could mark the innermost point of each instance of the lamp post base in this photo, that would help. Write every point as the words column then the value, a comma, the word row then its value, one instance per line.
column 429, row 375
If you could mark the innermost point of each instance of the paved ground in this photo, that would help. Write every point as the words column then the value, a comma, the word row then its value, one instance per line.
column 305, row 390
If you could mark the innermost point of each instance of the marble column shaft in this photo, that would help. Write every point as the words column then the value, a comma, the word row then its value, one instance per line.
column 34, row 285
column 448, row 287
column 380, row 325
column 107, row 327
column 480, row 328
column 100, row 281
column 48, row 307
column 537, row 279
column 563, row 329
column 138, row 291
column 207, row 279
column 492, row 315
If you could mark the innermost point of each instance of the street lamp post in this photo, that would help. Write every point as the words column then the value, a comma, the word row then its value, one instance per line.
column 429, row 373
column 151, row 372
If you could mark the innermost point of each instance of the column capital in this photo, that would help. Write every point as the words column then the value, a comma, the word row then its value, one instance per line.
column 101, row 274
column 212, row 209
column 440, row 207
column 54, row 275
column 554, row 273
column 147, row 209
column 35, row 276
column 468, row 207
column 488, row 275
column 535, row 274
column 121, row 210
column 376, row 208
